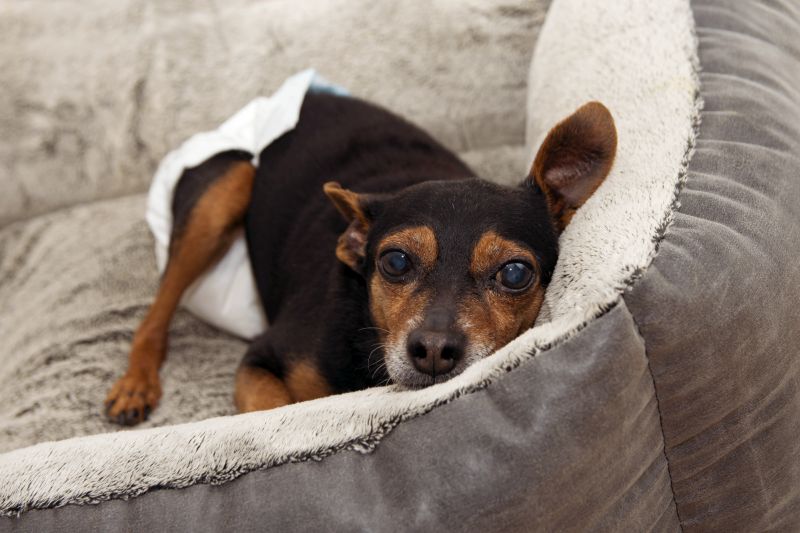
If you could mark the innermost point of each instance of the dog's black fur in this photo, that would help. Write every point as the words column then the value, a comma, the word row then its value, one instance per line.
column 315, row 305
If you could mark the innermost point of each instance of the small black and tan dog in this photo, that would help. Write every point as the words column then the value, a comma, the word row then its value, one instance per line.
column 421, row 272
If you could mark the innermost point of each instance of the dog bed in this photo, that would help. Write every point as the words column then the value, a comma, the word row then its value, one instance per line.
column 660, row 391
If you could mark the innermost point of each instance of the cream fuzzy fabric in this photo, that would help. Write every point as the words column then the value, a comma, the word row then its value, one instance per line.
column 602, row 56
column 639, row 59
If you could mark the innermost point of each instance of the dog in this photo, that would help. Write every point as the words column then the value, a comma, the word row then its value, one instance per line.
column 377, row 255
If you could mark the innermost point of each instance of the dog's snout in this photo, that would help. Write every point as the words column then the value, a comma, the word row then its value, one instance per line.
column 435, row 352
column 438, row 319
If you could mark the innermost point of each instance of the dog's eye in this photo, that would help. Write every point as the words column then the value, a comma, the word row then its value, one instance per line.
column 514, row 276
column 395, row 263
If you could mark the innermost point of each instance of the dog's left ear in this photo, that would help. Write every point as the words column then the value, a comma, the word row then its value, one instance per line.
column 574, row 159
column 351, row 249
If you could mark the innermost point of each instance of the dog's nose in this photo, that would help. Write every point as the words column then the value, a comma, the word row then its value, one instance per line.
column 435, row 352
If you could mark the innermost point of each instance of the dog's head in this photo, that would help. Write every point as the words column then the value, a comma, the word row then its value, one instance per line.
column 457, row 269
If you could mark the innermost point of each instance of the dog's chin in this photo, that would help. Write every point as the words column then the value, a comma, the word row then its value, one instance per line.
column 411, row 378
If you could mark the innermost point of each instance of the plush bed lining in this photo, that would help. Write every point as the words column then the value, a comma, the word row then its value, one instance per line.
column 125, row 464
column 641, row 62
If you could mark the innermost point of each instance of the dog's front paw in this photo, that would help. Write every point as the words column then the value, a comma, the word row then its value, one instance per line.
column 132, row 398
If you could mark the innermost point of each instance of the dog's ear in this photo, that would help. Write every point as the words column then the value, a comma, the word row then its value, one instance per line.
column 351, row 249
column 574, row 159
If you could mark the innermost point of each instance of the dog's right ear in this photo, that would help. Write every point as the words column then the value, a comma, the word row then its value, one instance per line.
column 351, row 249
column 574, row 159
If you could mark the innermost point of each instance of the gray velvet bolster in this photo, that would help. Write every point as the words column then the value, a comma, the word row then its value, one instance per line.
column 718, row 307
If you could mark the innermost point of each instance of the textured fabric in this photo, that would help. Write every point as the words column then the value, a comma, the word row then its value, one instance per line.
column 582, row 452
column 95, row 93
column 718, row 308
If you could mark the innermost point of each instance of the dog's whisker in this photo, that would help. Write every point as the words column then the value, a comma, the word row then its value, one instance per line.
column 375, row 328
column 380, row 367
column 375, row 349
column 379, row 363
column 369, row 357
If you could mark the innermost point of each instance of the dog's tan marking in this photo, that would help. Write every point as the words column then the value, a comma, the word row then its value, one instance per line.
column 209, row 231
column 351, row 246
column 494, row 318
column 420, row 241
column 305, row 382
column 492, row 250
column 395, row 306
column 258, row 390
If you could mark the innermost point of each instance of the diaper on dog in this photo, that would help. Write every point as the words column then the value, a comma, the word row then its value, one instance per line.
column 225, row 295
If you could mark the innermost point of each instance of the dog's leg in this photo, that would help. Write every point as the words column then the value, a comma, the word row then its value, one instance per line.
column 258, row 386
column 266, row 379
column 202, row 238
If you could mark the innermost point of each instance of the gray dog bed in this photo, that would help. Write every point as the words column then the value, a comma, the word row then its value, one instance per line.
column 660, row 390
